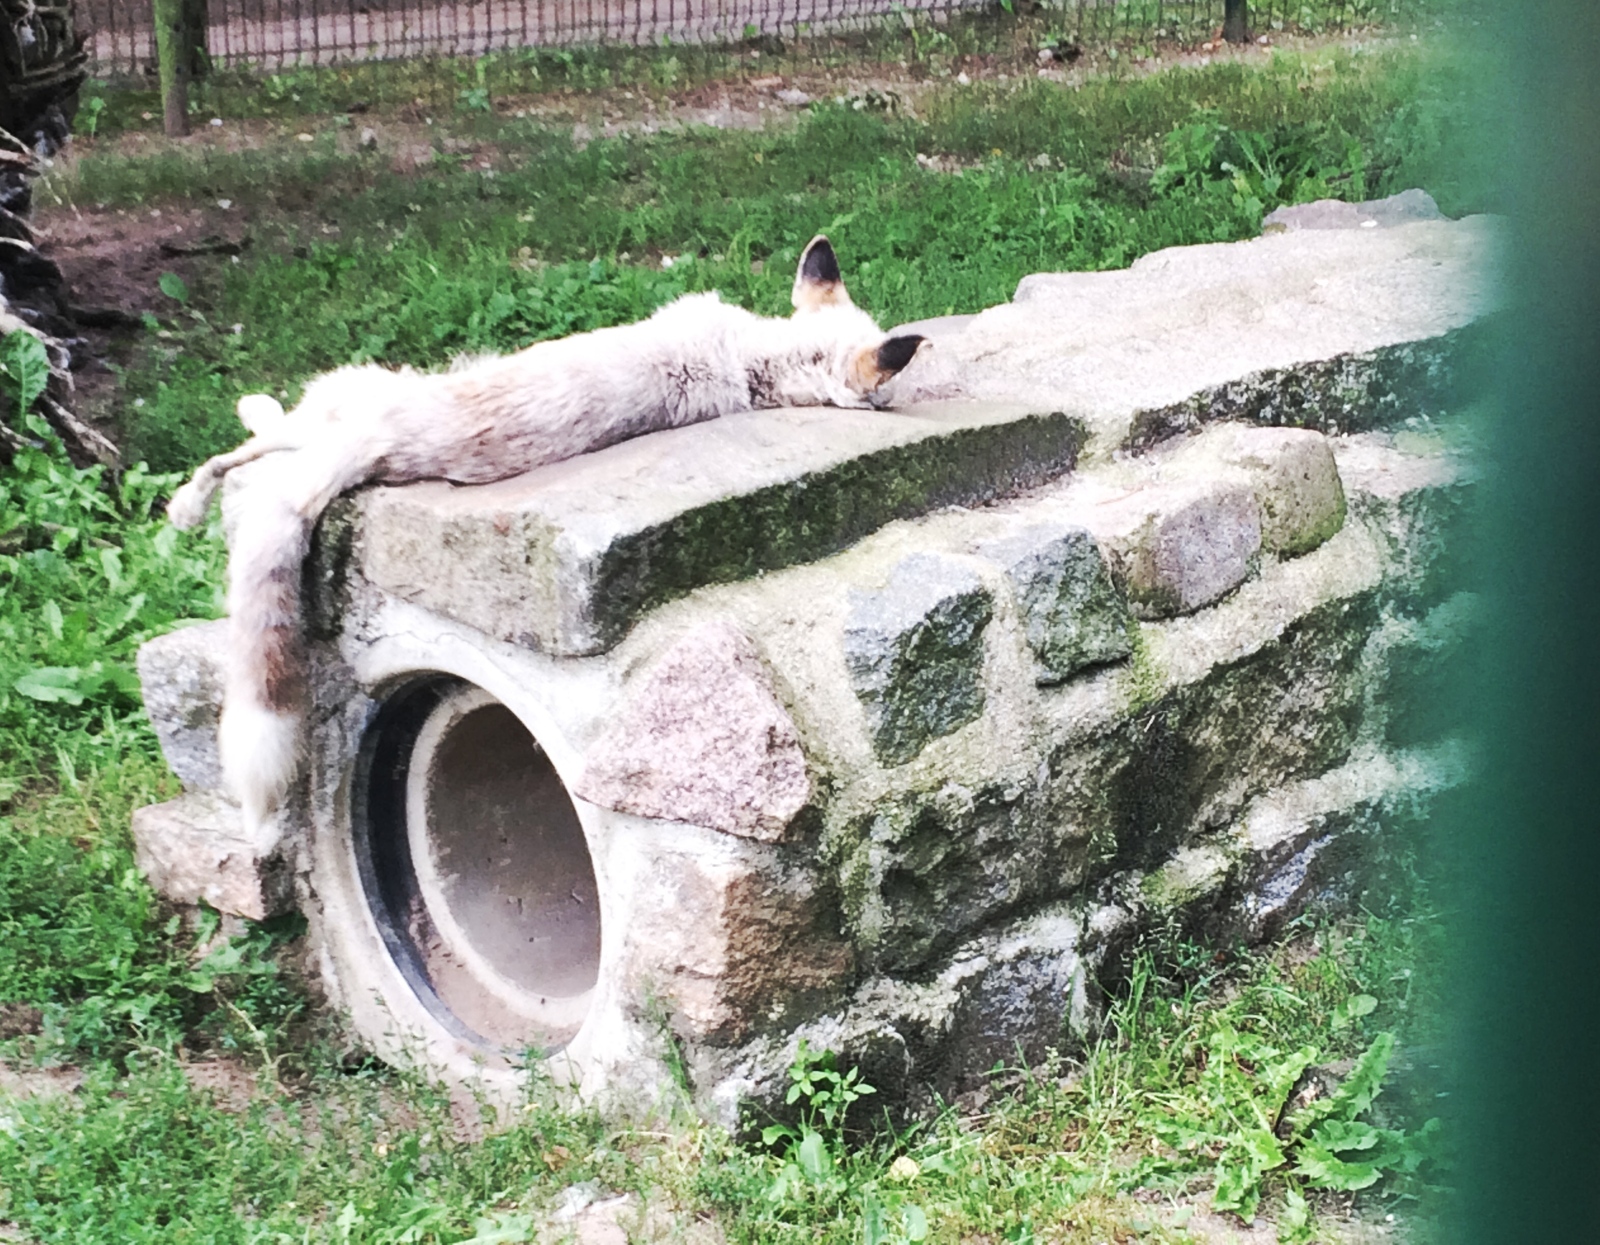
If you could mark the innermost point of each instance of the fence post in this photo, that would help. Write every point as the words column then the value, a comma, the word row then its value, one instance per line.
column 174, row 57
column 1236, row 21
column 196, row 18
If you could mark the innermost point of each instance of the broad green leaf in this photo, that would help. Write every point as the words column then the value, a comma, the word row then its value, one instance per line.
column 1352, row 1009
column 1238, row 1189
column 25, row 364
column 1263, row 1148
column 915, row 1222
column 173, row 286
column 1365, row 1081
column 111, row 565
column 52, row 684
column 1325, row 1170
column 1341, row 1135
column 873, row 1229
column 812, row 1155
column 1356, row 1094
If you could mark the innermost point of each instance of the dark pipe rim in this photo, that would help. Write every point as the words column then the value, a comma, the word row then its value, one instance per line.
column 379, row 834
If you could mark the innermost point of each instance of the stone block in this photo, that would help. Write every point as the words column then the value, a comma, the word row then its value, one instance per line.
column 731, row 942
column 195, row 849
column 1297, row 485
column 1072, row 612
column 914, row 653
column 1292, row 471
column 1020, row 992
column 1334, row 329
column 1177, row 547
column 181, row 674
column 566, row 558
column 702, row 739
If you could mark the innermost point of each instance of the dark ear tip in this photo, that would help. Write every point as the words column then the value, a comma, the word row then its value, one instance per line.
column 895, row 353
column 819, row 263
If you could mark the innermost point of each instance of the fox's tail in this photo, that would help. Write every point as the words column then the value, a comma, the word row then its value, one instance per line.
column 270, row 520
column 265, row 689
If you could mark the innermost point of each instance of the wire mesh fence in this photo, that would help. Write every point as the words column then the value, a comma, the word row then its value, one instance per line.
column 273, row 35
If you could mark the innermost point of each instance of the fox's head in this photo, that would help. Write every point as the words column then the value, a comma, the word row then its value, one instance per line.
column 841, row 356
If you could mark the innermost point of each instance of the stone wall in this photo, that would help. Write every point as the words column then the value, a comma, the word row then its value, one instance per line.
column 891, row 731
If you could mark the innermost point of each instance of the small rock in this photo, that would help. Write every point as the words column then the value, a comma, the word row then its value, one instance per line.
column 369, row 138
column 1398, row 209
column 195, row 849
column 1296, row 482
column 1072, row 612
column 1052, row 53
column 963, row 80
column 575, row 1199
column 181, row 674
column 793, row 98
column 703, row 740
column 1178, row 547
column 914, row 652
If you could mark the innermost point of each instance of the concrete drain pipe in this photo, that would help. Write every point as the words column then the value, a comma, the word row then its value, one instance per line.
column 472, row 860
column 889, row 731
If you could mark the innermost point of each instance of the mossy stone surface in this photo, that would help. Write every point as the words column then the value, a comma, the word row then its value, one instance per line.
column 1072, row 612
column 914, row 652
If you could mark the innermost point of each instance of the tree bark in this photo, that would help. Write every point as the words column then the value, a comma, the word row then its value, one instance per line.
column 174, row 56
column 42, row 65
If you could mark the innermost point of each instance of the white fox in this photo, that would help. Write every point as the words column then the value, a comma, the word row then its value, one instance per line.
column 695, row 359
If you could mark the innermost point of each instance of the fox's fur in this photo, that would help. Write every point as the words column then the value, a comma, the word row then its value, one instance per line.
column 695, row 359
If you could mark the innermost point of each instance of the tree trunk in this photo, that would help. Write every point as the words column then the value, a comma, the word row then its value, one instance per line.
column 1236, row 21
column 174, row 55
column 42, row 65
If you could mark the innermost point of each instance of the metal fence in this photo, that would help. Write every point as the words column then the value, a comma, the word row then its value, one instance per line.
column 276, row 34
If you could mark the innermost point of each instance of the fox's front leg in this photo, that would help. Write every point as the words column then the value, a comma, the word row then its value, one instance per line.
column 261, row 415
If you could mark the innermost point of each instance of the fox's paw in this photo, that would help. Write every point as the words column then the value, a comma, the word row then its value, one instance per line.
column 188, row 505
column 259, row 412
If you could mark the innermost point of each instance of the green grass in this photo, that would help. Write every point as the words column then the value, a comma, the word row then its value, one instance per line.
column 555, row 238
column 906, row 44
column 562, row 238
column 1160, row 1106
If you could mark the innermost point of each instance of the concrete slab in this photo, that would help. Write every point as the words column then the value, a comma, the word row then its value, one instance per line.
column 1337, row 330
column 564, row 559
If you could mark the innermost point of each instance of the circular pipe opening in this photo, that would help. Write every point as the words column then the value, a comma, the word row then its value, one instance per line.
column 476, row 868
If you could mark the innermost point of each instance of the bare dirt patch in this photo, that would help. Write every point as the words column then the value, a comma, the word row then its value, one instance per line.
column 25, row 1082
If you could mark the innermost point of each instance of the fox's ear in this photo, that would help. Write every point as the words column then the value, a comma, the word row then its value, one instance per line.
column 875, row 366
column 817, row 283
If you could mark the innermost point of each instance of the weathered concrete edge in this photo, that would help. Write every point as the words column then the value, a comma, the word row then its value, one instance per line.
column 794, row 521
column 1353, row 392
column 819, row 514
